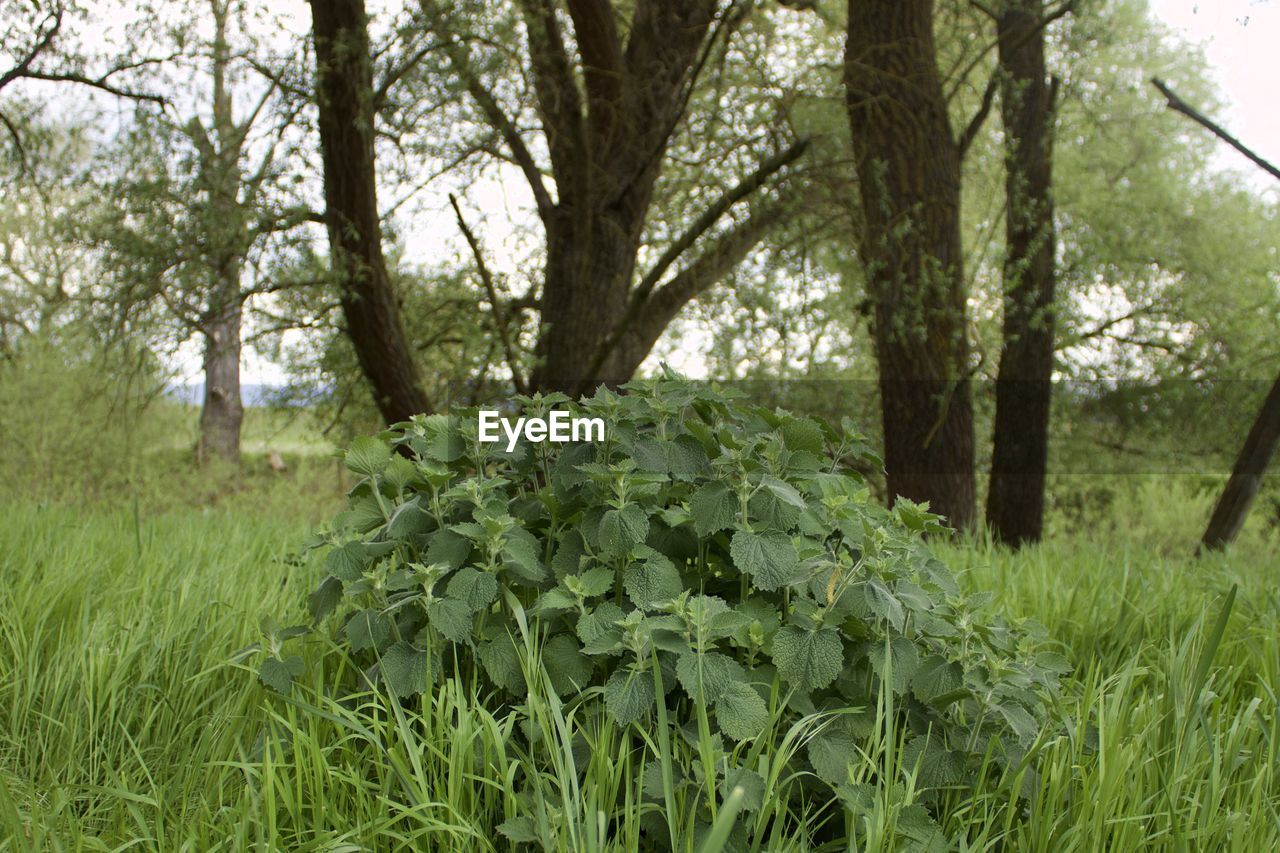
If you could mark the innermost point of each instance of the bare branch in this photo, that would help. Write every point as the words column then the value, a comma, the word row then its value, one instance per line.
column 1178, row 105
column 975, row 123
column 711, row 215
column 499, row 318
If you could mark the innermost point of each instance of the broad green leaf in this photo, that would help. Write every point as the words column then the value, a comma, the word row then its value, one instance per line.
column 452, row 618
column 751, row 782
column 368, row 456
column 904, row 656
column 520, row 556
column 564, row 662
column 937, row 679
column 712, row 671
column 623, row 529
column 809, row 660
column 501, row 663
column 714, row 507
column 279, row 674
column 768, row 558
column 368, row 629
column 405, row 669
column 741, row 712
column 474, row 588
column 325, row 598
column 448, row 547
column 520, row 830
column 598, row 629
column 628, row 695
column 831, row 751
column 651, row 582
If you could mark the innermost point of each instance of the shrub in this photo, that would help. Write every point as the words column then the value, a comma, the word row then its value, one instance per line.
column 711, row 565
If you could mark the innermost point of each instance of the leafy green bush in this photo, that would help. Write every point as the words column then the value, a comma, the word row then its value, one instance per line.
column 718, row 556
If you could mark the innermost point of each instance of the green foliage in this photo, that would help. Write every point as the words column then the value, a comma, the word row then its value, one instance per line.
column 717, row 542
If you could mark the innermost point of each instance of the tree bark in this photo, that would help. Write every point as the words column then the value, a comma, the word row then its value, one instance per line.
column 608, row 111
column 344, row 96
column 908, row 165
column 222, row 411
column 1015, row 501
column 1242, row 487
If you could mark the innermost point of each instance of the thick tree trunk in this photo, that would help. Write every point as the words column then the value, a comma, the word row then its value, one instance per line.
column 1015, row 501
column 222, row 412
column 1242, row 487
column 344, row 95
column 908, row 166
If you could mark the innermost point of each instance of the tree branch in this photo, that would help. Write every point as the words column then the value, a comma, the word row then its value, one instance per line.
column 975, row 123
column 1178, row 105
column 499, row 318
column 711, row 215
column 506, row 128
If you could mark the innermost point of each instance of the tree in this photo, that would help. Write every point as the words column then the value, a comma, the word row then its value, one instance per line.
column 202, row 195
column 1264, row 435
column 908, row 163
column 1015, row 501
column 345, row 98
column 612, row 95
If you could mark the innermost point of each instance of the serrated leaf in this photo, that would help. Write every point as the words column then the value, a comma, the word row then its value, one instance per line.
column 809, row 660
column 452, row 618
column 474, row 588
column 623, row 529
column 768, row 558
column 935, row 765
column 405, row 669
column 593, row 582
column 347, row 562
column 741, row 712
column 448, row 547
column 628, row 695
column 279, row 674
column 652, row 582
column 783, row 491
column 712, row 671
column 751, row 782
column 520, row 830
column 368, row 456
column 714, row 507
column 399, row 472
column 884, row 603
column 802, row 435
column 568, row 667
column 936, row 678
column 830, row 753
column 367, row 629
column 501, row 663
column 598, row 631
column 904, row 656
column 325, row 597
column 520, row 556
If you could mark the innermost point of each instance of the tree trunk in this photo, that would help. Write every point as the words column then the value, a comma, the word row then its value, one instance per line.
column 908, row 166
column 344, row 95
column 222, row 412
column 1242, row 487
column 1015, row 501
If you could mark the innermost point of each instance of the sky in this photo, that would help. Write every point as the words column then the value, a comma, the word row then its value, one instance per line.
column 1240, row 38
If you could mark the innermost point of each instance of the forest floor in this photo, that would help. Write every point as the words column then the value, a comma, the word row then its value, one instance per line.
column 126, row 719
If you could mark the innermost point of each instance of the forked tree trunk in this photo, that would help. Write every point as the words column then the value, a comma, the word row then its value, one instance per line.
column 908, row 167
column 344, row 96
column 1242, row 487
column 1015, row 501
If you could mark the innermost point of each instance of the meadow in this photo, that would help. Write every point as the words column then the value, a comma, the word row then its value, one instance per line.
column 128, row 721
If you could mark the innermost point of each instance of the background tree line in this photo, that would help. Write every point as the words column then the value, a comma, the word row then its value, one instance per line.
column 949, row 210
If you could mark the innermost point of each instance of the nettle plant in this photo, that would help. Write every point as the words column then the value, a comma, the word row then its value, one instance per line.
column 708, row 564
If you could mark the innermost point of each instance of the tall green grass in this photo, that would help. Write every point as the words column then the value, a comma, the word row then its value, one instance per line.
column 125, row 722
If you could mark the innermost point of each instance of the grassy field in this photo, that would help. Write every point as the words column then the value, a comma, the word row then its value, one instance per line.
column 126, row 722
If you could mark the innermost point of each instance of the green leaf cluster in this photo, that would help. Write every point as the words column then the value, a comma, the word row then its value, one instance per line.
column 715, row 557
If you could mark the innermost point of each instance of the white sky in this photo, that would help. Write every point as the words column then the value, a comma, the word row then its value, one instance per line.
column 1241, row 39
